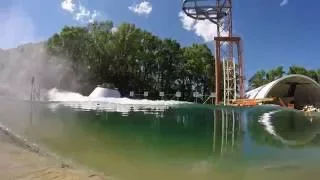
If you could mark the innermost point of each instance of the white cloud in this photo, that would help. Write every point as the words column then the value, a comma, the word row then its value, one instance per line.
column 85, row 15
column 79, row 12
column 68, row 5
column 284, row 2
column 187, row 22
column 204, row 28
column 143, row 8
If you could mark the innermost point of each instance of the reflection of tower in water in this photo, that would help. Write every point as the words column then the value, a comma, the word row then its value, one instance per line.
column 224, row 125
column 35, row 90
column 226, row 132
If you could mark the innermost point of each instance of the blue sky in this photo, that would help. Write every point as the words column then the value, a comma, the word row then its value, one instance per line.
column 275, row 32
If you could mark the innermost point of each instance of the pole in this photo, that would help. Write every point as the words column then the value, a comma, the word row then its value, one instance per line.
column 224, row 81
column 217, row 69
column 234, row 80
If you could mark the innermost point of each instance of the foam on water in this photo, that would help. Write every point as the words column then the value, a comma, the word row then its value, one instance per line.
column 78, row 101
column 265, row 120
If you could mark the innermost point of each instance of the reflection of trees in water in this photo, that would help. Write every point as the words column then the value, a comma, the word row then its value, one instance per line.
column 284, row 128
column 199, row 131
column 186, row 135
column 215, row 130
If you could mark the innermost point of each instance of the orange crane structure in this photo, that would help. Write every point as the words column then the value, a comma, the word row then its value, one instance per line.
column 229, row 64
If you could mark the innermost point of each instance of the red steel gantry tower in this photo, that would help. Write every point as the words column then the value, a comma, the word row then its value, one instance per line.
column 229, row 70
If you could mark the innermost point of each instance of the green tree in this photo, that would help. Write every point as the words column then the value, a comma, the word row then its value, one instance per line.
column 133, row 59
column 318, row 73
column 168, row 59
column 147, row 69
column 314, row 75
column 262, row 77
column 198, row 68
column 71, row 44
column 258, row 79
column 298, row 70
column 275, row 73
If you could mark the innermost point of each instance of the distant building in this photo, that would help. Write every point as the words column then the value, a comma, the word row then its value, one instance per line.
column 102, row 92
column 295, row 89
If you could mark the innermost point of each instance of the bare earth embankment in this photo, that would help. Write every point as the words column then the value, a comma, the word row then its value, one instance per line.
column 19, row 161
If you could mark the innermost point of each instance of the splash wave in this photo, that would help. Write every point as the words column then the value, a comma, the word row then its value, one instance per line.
column 78, row 101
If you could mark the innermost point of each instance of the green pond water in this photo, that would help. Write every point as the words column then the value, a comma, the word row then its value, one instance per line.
column 180, row 142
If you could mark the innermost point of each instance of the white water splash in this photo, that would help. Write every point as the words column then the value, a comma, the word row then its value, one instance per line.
column 124, row 105
column 265, row 120
column 62, row 96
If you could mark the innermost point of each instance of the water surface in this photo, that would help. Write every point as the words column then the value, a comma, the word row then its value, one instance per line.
column 174, row 142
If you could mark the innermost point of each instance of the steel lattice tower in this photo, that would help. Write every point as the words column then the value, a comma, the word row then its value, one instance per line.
column 228, row 68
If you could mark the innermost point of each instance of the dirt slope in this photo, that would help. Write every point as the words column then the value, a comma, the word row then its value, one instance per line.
column 20, row 163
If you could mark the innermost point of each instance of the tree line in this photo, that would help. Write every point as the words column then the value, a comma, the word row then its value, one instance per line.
column 262, row 77
column 133, row 59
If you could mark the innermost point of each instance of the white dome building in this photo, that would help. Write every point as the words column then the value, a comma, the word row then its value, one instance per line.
column 100, row 92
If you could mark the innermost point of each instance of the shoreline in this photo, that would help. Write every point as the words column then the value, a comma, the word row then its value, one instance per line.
column 21, row 159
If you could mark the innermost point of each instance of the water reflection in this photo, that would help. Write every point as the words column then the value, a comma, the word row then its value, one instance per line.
column 177, row 142
column 284, row 128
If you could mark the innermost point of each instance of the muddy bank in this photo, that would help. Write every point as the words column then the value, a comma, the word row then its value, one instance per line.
column 20, row 160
